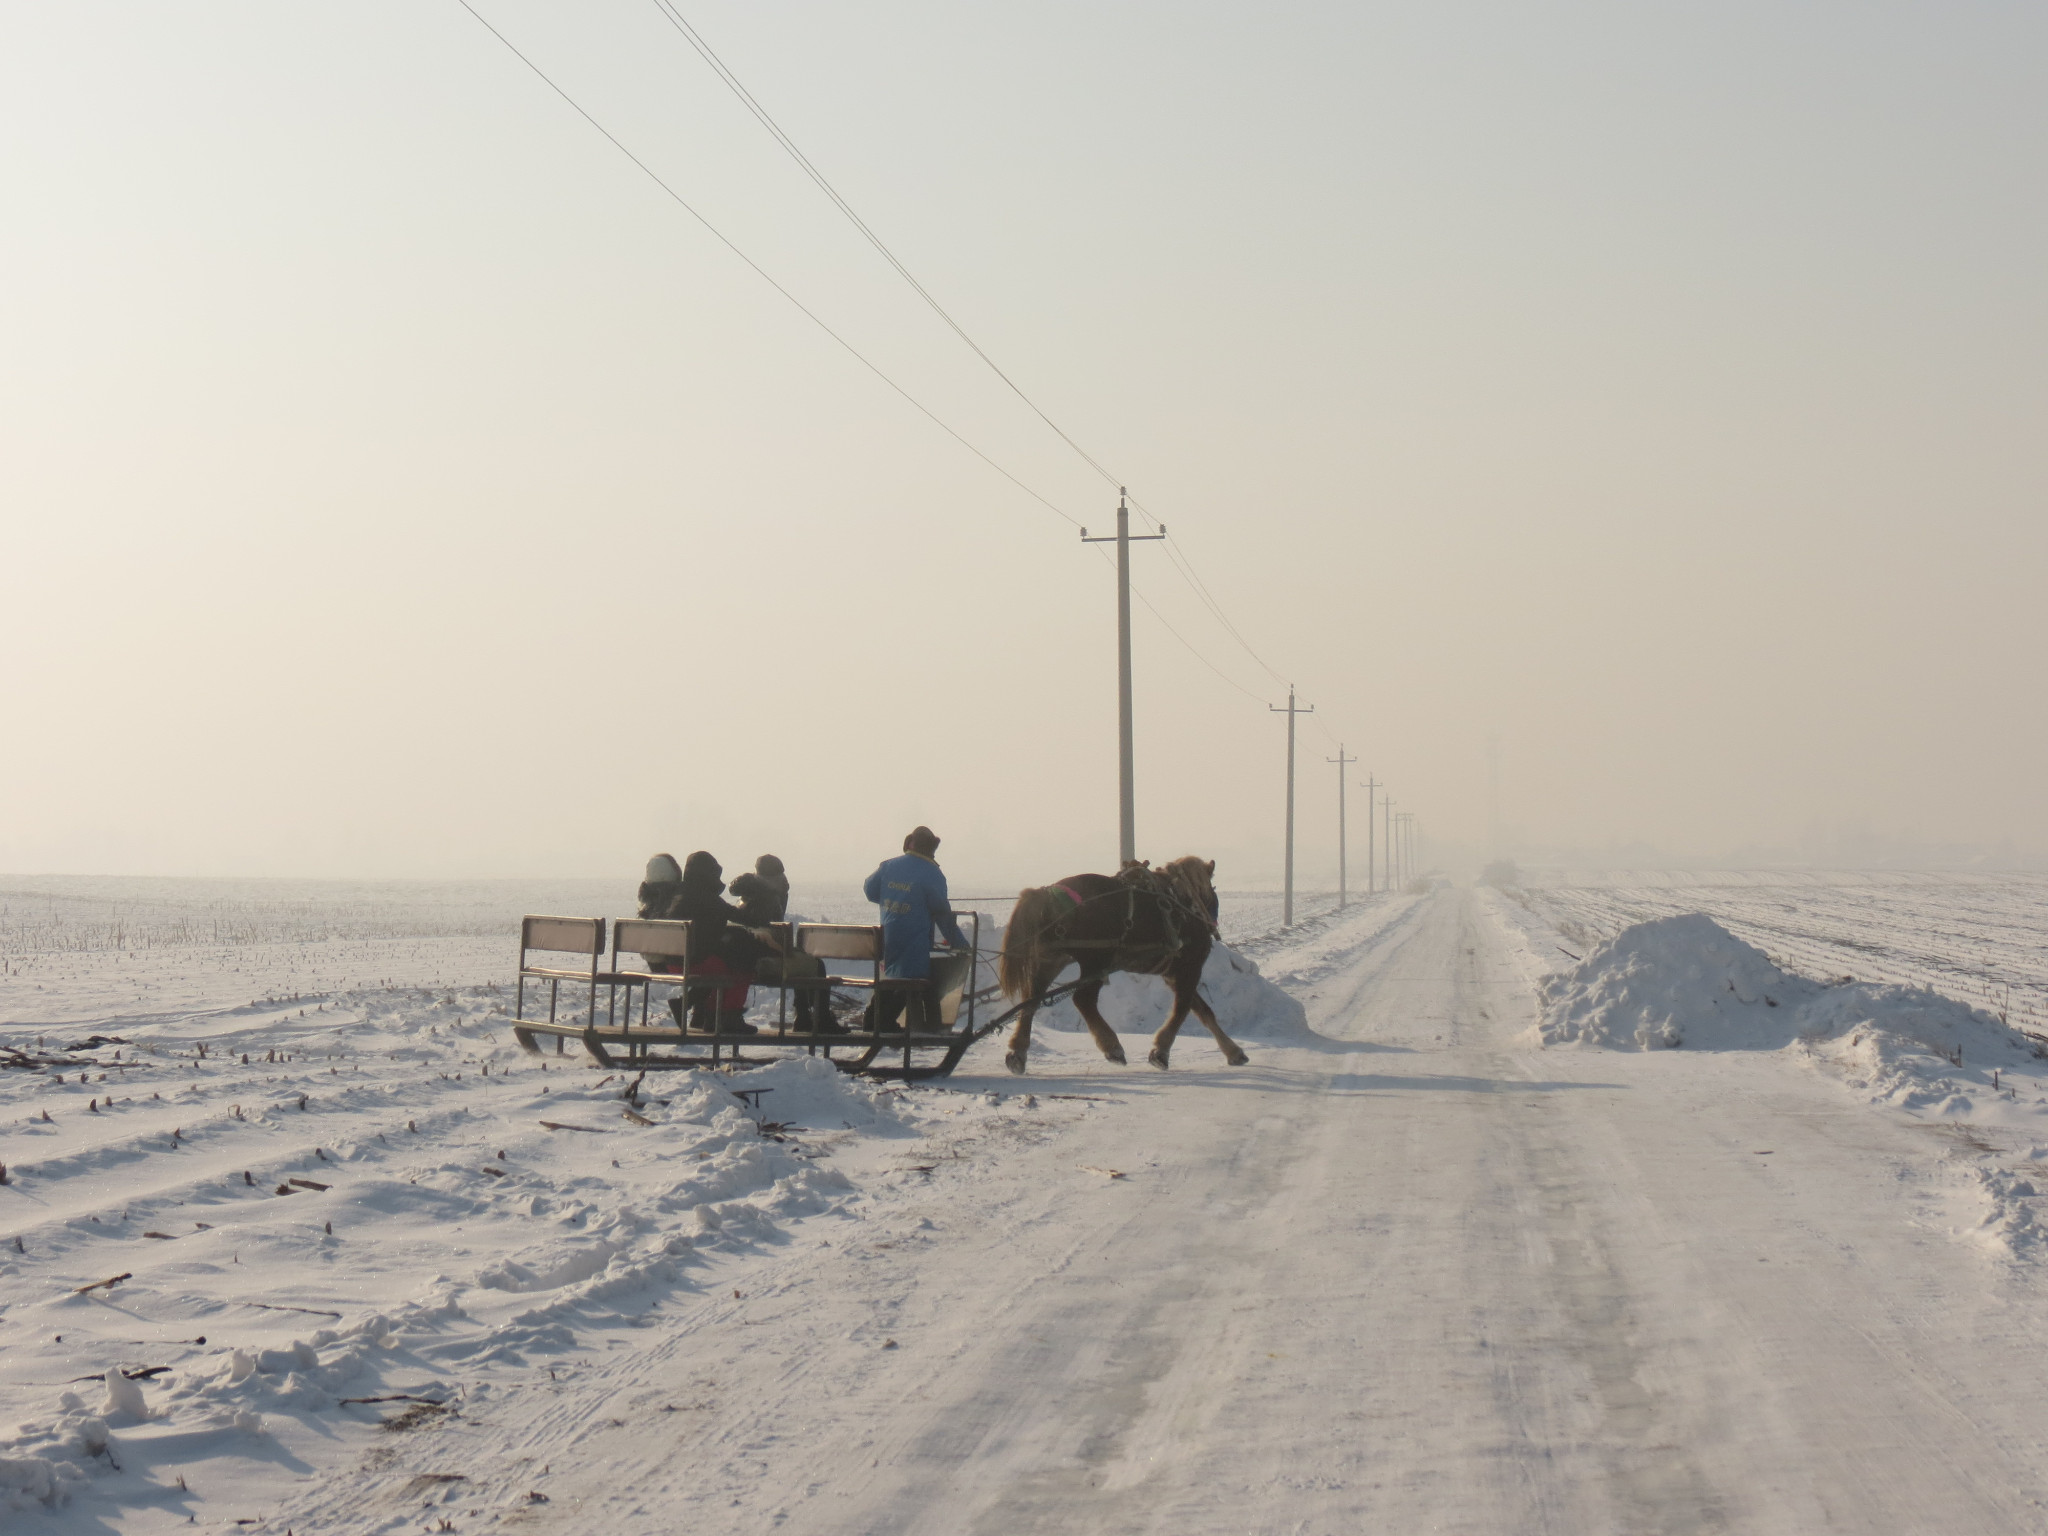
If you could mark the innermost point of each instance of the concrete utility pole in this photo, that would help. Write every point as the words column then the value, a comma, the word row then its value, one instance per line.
column 1287, row 902
column 1343, row 844
column 1493, row 796
column 1127, row 791
column 1371, row 851
column 1387, row 807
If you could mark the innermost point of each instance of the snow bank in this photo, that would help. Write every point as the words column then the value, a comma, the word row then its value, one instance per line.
column 1687, row 981
column 1248, row 1006
column 1682, row 980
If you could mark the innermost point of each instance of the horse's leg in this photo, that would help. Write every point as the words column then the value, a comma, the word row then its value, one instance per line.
column 1020, row 1037
column 1105, row 1037
column 1162, row 1043
column 1228, row 1046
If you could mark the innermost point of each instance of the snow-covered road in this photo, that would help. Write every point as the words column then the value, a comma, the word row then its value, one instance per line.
column 1419, row 1279
column 1413, row 1279
column 1406, row 1274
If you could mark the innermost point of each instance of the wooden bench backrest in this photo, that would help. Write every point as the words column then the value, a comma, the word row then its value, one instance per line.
column 652, row 938
column 840, row 941
column 563, row 935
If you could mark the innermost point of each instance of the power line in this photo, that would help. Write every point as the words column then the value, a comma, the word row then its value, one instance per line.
column 761, row 271
column 761, row 115
column 1183, row 564
column 1201, row 590
column 1167, row 625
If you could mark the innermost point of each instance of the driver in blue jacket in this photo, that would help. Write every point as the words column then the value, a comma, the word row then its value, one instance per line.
column 911, row 891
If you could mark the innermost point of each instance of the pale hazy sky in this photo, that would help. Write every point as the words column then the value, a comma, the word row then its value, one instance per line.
column 394, row 482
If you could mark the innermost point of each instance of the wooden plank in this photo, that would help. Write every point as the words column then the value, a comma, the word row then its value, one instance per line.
column 839, row 941
column 650, row 937
column 564, row 935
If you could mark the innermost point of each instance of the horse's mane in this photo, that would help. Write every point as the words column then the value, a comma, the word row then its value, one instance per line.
column 1190, row 879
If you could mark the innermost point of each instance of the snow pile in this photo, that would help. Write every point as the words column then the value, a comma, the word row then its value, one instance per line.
column 1682, row 980
column 1914, row 1048
column 1687, row 981
column 2013, row 1221
column 1248, row 1006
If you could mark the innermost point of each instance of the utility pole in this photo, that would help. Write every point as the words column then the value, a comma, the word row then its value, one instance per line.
column 1127, row 792
column 1343, row 844
column 1287, row 901
column 1371, row 852
column 1387, row 806
column 1493, row 797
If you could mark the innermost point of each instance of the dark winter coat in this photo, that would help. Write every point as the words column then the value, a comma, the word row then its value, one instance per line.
column 762, row 900
column 719, row 926
column 662, row 888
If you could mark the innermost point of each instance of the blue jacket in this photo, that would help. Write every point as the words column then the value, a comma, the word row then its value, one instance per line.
column 911, row 891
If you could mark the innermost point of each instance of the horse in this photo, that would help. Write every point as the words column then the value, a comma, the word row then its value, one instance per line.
column 1151, row 922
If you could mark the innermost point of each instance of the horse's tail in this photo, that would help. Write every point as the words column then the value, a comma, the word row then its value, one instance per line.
column 1023, row 940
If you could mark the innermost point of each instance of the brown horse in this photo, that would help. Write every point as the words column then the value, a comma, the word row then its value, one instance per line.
column 1152, row 922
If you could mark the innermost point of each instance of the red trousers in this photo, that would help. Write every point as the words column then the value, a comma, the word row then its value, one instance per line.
column 732, row 999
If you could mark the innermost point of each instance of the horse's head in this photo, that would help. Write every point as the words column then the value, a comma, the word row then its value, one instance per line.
column 1193, row 880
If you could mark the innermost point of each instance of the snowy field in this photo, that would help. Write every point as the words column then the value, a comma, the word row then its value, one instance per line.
column 1521, row 1219
column 77, row 950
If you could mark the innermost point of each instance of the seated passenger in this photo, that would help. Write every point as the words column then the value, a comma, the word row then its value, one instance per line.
column 763, row 893
column 764, row 901
column 662, row 888
column 692, row 894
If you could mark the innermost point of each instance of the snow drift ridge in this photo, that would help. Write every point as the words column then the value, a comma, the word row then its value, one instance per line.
column 1688, row 981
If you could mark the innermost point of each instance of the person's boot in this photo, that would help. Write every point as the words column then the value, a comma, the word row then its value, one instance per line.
column 822, row 1021
column 889, row 1012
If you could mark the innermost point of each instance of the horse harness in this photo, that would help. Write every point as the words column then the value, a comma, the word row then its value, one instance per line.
column 1131, row 879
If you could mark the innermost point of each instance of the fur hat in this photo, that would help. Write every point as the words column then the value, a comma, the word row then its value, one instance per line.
column 662, row 869
column 700, row 868
column 768, row 867
column 921, row 840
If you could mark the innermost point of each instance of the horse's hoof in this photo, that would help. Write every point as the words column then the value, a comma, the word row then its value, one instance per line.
column 1015, row 1062
column 1116, row 1056
column 1158, row 1059
column 1238, row 1059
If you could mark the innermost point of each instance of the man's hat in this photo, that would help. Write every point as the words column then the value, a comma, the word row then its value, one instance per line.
column 921, row 840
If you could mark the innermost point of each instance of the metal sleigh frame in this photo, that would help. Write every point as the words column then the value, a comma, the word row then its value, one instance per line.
column 623, row 1044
